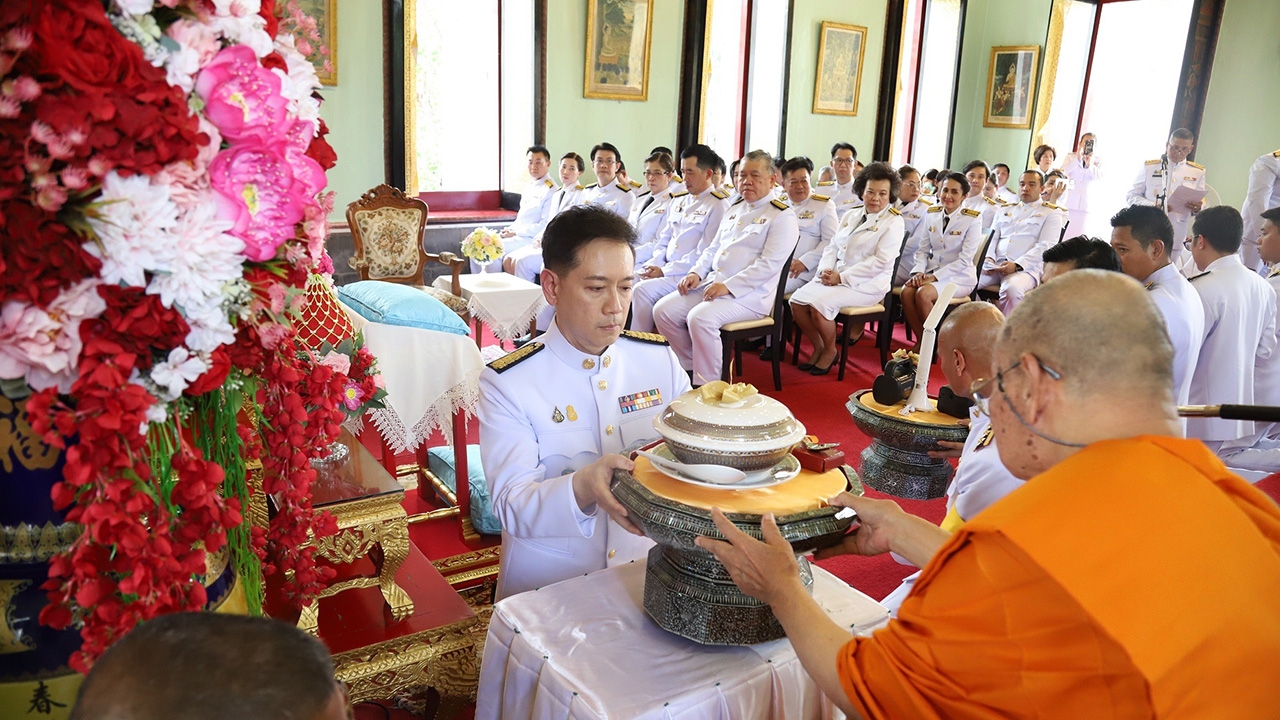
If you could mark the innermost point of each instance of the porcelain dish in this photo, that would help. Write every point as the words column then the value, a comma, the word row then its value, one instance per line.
column 751, row 434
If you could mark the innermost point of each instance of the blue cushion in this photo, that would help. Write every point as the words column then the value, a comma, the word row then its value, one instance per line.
column 395, row 304
column 440, row 462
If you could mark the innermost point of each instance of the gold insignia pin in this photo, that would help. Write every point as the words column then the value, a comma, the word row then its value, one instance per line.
column 571, row 413
column 557, row 416
column 986, row 438
column 588, row 364
column 606, row 361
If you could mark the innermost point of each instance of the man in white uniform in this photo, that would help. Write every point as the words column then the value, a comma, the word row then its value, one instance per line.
column 557, row 415
column 1141, row 235
column 1003, row 193
column 1082, row 168
column 1263, row 194
column 1260, row 452
column 1022, row 234
column 840, row 190
column 526, row 262
column 1156, row 184
column 609, row 190
column 815, row 218
column 535, row 206
column 736, row 278
column 1240, row 325
column 976, row 172
column 966, row 339
column 691, row 227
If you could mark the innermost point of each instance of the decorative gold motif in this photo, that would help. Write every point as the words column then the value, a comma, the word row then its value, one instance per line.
column 26, row 543
column 606, row 361
column 10, row 641
column 570, row 413
column 557, row 416
column 18, row 441
column 511, row 359
column 588, row 364
column 443, row 658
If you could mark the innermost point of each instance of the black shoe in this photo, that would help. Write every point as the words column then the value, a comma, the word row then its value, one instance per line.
column 754, row 344
column 805, row 367
column 815, row 370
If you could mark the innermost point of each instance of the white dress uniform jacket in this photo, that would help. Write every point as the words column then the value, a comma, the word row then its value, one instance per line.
column 816, row 219
column 616, row 196
column 1240, row 333
column 912, row 213
column 1006, row 196
column 843, row 196
column 1183, row 313
column 862, row 252
column 947, row 247
column 1077, row 199
column 689, row 230
column 534, row 212
column 1260, row 452
column 648, row 215
column 747, row 256
column 1022, row 233
column 547, row 410
column 984, row 205
column 1158, row 180
column 1263, row 194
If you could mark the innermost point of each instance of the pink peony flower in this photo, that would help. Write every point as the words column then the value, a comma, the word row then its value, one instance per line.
column 242, row 98
column 43, row 345
column 264, row 193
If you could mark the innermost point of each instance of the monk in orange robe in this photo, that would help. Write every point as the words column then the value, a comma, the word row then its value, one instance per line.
column 1132, row 576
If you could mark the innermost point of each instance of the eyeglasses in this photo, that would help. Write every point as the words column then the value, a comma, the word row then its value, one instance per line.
column 981, row 388
column 655, row 173
column 842, row 161
column 602, row 161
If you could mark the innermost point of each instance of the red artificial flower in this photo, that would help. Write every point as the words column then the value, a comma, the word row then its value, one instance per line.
column 274, row 61
column 39, row 256
column 214, row 377
column 320, row 150
column 268, row 12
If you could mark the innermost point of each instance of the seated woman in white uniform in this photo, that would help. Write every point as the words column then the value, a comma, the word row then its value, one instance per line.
column 650, row 209
column 856, row 268
column 946, row 242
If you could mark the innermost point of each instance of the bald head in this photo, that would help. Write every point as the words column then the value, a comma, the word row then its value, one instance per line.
column 1100, row 331
column 966, row 343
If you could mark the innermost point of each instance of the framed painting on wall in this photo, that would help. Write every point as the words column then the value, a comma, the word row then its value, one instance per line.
column 839, row 77
column 325, row 57
column 1011, row 86
column 618, row 41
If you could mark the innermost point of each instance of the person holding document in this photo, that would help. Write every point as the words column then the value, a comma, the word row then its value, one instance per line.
column 1174, row 184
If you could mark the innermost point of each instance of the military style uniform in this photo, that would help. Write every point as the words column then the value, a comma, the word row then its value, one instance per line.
column 1006, row 196
column 912, row 213
column 816, row 219
column 1260, row 452
column 1156, row 183
column 1263, row 194
column 1077, row 199
column 843, row 196
column 1022, row 234
column 747, row 256
column 546, row 411
column 1183, row 313
column 531, row 218
column 648, row 215
column 862, row 254
column 1240, row 327
column 947, row 247
column 987, row 207
column 690, row 229
column 615, row 196
column 528, row 259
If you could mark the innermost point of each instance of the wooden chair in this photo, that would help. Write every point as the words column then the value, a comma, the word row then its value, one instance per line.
column 387, row 229
column 880, row 313
column 733, row 334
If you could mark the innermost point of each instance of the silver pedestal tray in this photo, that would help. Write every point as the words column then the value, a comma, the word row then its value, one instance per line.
column 897, row 462
column 686, row 590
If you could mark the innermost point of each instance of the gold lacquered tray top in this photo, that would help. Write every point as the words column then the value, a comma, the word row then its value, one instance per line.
column 930, row 417
column 807, row 491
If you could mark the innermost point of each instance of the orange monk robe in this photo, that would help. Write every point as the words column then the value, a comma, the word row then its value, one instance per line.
column 1136, row 579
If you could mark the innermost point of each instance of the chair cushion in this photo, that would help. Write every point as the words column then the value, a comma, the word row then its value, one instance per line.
column 392, row 240
column 868, row 310
column 395, row 304
column 959, row 300
column 440, row 463
column 747, row 324
column 451, row 301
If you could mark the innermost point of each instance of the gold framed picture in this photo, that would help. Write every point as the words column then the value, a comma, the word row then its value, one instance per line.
column 325, row 13
column 1011, row 86
column 618, row 42
column 839, row 79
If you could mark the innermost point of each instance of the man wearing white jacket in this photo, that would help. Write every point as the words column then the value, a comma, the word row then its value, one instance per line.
column 1020, row 236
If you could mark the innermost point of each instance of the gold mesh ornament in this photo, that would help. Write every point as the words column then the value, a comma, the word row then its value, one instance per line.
column 323, row 320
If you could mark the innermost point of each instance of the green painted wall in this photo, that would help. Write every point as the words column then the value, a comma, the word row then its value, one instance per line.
column 992, row 23
column 575, row 123
column 810, row 134
column 353, row 108
column 1242, row 113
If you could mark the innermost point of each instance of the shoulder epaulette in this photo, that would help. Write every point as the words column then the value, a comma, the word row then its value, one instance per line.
column 1196, row 165
column 682, row 193
column 925, row 200
column 579, row 186
column 934, row 208
column 894, row 211
column 591, row 186
column 1276, row 154
column 778, row 204
column 730, row 186
column 652, row 338
column 988, row 200
column 971, row 212
column 719, row 194
column 635, row 184
column 1194, row 278
column 549, row 183
column 821, row 198
column 735, row 202
column 623, row 188
column 515, row 357
column 1157, row 161
column 1051, row 206
column 677, row 178
column 825, row 183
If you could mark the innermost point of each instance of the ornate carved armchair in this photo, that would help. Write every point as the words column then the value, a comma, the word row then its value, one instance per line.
column 453, row 298
column 387, row 229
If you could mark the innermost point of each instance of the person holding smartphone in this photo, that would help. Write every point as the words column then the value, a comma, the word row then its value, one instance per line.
column 1082, row 168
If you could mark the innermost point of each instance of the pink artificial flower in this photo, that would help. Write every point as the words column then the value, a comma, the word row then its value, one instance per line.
column 197, row 37
column 43, row 345
column 336, row 360
column 188, row 180
column 352, row 396
column 326, row 264
column 264, row 193
column 242, row 98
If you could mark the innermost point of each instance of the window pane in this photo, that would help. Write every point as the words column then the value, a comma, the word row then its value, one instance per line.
column 517, row 93
column 768, row 63
column 908, row 63
column 1068, row 84
column 937, row 84
column 456, row 111
column 722, row 73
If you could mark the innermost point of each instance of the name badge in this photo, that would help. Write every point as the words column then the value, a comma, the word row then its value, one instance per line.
column 953, row 232
column 699, row 213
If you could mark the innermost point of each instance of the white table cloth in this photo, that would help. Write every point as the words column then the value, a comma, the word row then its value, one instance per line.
column 429, row 375
column 504, row 302
column 584, row 648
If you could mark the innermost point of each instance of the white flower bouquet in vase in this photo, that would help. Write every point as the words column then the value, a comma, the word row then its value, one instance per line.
column 483, row 245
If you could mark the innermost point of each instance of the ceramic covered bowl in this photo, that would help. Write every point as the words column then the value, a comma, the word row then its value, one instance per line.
column 753, row 433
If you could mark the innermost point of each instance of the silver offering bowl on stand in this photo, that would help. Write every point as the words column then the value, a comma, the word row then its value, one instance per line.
column 897, row 462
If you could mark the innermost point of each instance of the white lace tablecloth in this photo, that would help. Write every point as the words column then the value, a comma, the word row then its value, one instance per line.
column 504, row 302
column 429, row 375
column 584, row 648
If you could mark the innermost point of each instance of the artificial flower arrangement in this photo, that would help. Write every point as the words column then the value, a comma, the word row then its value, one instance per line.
column 162, row 204
column 482, row 245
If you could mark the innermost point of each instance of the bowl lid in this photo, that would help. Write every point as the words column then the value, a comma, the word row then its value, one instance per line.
column 699, row 411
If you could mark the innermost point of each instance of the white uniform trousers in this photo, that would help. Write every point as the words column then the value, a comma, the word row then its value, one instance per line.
column 795, row 283
column 1013, row 288
column 528, row 262
column 693, row 329
column 646, row 294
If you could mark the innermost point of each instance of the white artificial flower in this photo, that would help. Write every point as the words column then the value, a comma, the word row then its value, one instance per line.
column 133, row 220
column 239, row 22
column 299, row 84
column 135, row 7
column 174, row 374
column 158, row 413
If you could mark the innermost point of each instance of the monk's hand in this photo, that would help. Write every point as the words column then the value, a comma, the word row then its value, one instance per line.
column 591, row 487
column 948, row 449
column 767, row 571
column 715, row 290
column 876, row 523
